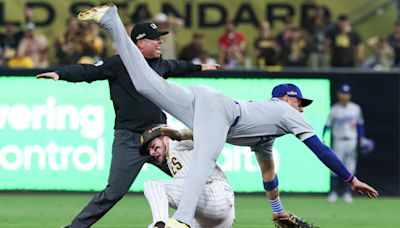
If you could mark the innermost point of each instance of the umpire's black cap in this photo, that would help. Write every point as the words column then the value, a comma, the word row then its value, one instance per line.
column 146, row 30
column 147, row 136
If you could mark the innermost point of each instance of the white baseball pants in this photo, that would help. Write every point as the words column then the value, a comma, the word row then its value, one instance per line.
column 215, row 207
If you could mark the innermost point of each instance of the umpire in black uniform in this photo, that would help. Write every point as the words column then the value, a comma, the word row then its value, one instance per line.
column 134, row 113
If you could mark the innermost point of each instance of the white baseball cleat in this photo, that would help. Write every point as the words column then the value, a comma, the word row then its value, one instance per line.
column 332, row 197
column 173, row 223
column 94, row 13
column 348, row 198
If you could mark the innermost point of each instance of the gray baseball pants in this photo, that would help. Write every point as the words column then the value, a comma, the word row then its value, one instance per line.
column 208, row 113
column 346, row 150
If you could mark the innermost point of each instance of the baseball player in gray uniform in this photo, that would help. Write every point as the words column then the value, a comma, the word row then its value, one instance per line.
column 215, row 119
column 216, row 202
column 347, row 124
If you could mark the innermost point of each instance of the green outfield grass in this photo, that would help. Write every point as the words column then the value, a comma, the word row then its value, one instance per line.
column 33, row 210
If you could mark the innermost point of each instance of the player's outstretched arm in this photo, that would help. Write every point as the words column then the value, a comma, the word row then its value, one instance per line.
column 49, row 75
column 329, row 158
column 363, row 188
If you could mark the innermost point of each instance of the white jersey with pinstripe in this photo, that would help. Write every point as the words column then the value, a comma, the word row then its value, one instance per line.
column 215, row 207
column 180, row 158
column 344, row 121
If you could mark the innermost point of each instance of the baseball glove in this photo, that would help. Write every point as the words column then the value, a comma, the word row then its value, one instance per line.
column 292, row 222
column 366, row 146
column 184, row 134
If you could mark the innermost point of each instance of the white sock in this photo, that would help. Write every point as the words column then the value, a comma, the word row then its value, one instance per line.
column 276, row 205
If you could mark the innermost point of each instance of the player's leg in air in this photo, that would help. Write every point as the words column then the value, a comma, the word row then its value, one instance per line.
column 173, row 98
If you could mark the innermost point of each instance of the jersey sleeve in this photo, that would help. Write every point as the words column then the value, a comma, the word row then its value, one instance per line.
column 296, row 124
column 87, row 72
column 179, row 67
column 264, row 146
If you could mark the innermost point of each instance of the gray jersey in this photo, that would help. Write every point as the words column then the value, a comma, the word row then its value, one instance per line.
column 180, row 159
column 344, row 120
column 261, row 122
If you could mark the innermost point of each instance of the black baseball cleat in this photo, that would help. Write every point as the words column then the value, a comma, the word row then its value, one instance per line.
column 159, row 225
column 94, row 13
column 292, row 222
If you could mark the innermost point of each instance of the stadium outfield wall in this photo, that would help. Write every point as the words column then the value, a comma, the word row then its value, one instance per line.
column 58, row 135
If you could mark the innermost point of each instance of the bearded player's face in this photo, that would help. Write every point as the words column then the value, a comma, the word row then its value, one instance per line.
column 157, row 150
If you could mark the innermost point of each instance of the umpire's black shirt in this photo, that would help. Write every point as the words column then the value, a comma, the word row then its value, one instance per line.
column 132, row 111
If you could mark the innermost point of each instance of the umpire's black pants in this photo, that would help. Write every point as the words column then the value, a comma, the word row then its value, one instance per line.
column 126, row 163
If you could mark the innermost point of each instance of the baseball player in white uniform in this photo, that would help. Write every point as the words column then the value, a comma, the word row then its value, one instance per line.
column 215, row 207
column 347, row 124
column 215, row 119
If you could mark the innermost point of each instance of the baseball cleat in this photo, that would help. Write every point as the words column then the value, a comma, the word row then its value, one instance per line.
column 94, row 13
column 348, row 198
column 173, row 223
column 332, row 197
column 292, row 221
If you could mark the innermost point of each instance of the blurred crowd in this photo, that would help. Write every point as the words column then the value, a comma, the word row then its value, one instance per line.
column 320, row 42
column 26, row 48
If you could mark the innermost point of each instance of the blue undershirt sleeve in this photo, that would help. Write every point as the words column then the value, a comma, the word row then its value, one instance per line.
column 328, row 157
column 360, row 130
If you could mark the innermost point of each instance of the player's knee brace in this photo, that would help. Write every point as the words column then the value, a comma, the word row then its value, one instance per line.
column 270, row 185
